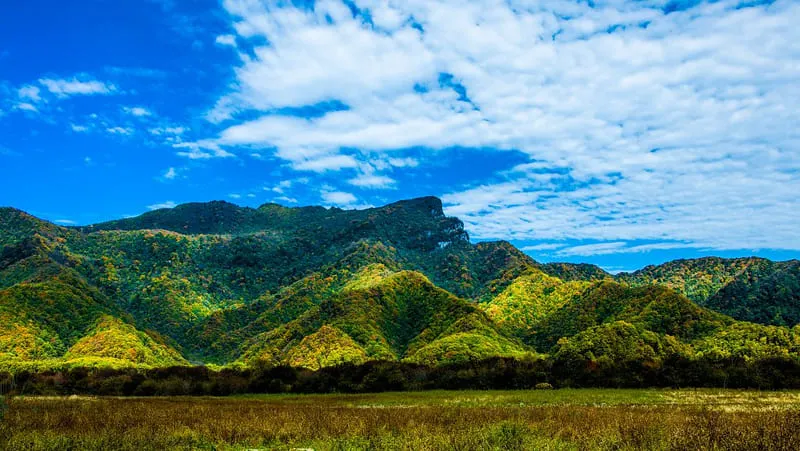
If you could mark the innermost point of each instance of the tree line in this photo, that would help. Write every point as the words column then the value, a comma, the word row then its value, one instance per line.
column 378, row 376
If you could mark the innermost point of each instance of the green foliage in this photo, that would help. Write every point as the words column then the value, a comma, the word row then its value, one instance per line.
column 392, row 317
column 319, row 288
column 113, row 339
column 749, row 342
column 652, row 308
column 21, row 338
column 16, row 226
column 328, row 346
column 466, row 347
column 697, row 279
column 748, row 289
column 65, row 304
column 611, row 346
column 529, row 299
column 767, row 296
column 576, row 272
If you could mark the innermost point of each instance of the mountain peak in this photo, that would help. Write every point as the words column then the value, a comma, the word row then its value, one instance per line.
column 429, row 204
column 419, row 223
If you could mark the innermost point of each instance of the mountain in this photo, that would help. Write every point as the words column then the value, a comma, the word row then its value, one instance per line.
column 395, row 316
column 215, row 283
column 49, row 309
column 749, row 289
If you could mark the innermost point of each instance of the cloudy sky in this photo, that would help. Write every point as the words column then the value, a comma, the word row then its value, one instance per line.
column 616, row 132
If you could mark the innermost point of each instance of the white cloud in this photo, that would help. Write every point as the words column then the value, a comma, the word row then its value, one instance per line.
column 407, row 162
column 288, row 200
column 24, row 106
column 29, row 92
column 325, row 163
column 137, row 111
column 639, row 125
column 338, row 198
column 235, row 196
column 201, row 150
column 167, row 204
column 226, row 40
column 618, row 247
column 542, row 247
column 65, row 221
column 76, row 86
column 120, row 130
column 159, row 131
column 79, row 128
column 594, row 249
column 372, row 181
column 170, row 174
column 341, row 199
column 281, row 187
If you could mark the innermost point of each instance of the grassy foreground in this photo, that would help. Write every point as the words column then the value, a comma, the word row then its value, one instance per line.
column 466, row 420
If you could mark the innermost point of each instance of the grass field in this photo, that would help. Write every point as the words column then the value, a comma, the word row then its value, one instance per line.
column 466, row 420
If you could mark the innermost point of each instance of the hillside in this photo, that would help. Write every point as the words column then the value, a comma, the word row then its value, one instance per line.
column 316, row 287
column 749, row 289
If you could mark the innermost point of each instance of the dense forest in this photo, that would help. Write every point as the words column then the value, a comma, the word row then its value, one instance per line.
column 212, row 293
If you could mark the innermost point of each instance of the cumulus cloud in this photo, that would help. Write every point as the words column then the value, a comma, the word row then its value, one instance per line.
column 170, row 174
column 641, row 121
column 339, row 198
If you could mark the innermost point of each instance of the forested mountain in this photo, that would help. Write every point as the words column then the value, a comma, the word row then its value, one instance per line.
column 215, row 283
column 749, row 289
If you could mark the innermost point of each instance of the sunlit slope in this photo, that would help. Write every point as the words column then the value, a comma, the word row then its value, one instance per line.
column 402, row 316
column 313, row 287
column 749, row 289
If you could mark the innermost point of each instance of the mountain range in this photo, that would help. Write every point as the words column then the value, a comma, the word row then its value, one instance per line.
column 218, row 284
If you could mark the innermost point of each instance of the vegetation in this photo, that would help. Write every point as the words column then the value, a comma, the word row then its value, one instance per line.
column 113, row 339
column 320, row 289
column 545, row 419
column 629, row 358
column 748, row 289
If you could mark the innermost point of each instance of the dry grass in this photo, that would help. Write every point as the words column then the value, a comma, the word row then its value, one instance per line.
column 578, row 419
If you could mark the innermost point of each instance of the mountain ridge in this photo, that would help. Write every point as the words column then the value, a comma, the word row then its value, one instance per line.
column 216, row 283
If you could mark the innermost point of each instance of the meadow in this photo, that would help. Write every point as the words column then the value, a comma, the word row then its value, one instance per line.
column 567, row 419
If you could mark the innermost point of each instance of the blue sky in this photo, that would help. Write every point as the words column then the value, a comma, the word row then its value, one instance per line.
column 621, row 133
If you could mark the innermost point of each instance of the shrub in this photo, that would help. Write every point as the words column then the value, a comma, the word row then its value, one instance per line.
column 543, row 386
